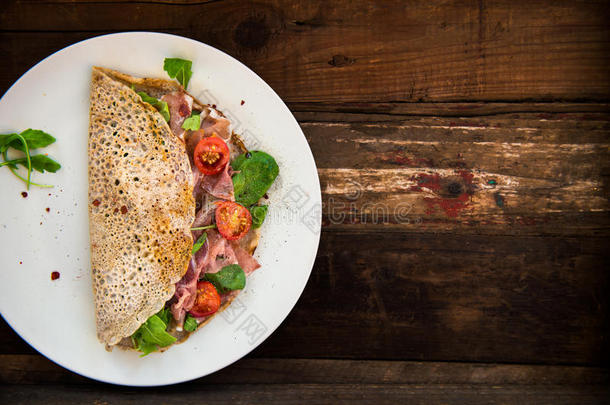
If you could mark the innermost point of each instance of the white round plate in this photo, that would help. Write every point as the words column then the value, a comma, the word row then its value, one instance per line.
column 57, row 317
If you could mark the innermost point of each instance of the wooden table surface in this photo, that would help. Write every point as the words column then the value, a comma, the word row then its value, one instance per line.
column 463, row 153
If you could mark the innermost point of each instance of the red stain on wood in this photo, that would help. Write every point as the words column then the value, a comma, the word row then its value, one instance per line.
column 452, row 206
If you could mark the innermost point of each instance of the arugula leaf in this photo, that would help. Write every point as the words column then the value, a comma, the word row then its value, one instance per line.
column 39, row 163
column 190, row 324
column 34, row 138
column 14, row 171
column 258, row 212
column 25, row 142
column 6, row 139
column 229, row 278
column 179, row 69
column 193, row 122
column 160, row 105
column 164, row 315
column 202, row 228
column 152, row 335
column 199, row 244
column 12, row 167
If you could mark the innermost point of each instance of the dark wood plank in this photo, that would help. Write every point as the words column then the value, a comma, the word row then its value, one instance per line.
column 36, row 369
column 441, row 297
column 398, row 150
column 359, row 51
column 305, row 393
column 500, row 173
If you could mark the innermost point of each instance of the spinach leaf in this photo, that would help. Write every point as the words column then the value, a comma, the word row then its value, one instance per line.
column 160, row 105
column 190, row 324
column 38, row 162
column 34, row 138
column 258, row 212
column 179, row 69
column 152, row 335
column 193, row 122
column 257, row 171
column 199, row 244
column 229, row 278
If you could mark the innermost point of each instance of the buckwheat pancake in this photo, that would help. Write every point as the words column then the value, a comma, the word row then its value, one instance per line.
column 141, row 205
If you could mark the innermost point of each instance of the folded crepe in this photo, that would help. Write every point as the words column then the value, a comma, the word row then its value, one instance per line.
column 141, row 206
column 143, row 192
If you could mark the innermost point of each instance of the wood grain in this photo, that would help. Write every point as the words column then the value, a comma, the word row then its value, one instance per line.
column 432, row 297
column 359, row 51
column 32, row 369
column 507, row 173
column 304, row 393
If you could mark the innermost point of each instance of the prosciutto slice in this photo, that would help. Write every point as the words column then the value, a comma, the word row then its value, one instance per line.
column 220, row 185
column 186, row 288
column 180, row 108
column 223, row 253
column 216, row 253
column 216, row 124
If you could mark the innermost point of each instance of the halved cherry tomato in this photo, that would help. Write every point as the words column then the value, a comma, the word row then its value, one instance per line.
column 211, row 155
column 207, row 301
column 233, row 220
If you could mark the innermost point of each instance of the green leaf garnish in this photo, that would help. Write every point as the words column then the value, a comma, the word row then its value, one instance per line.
column 25, row 142
column 160, row 105
column 179, row 69
column 6, row 144
column 258, row 212
column 190, row 324
column 152, row 334
column 229, row 278
column 39, row 163
column 199, row 244
column 192, row 123
column 164, row 315
column 34, row 138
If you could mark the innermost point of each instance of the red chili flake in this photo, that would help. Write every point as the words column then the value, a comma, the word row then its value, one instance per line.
column 123, row 210
column 24, row 194
column 49, row 194
column 55, row 275
column 214, row 106
column 242, row 102
column 20, row 262
column 48, row 209
column 115, row 211
column 96, row 203
column 184, row 110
